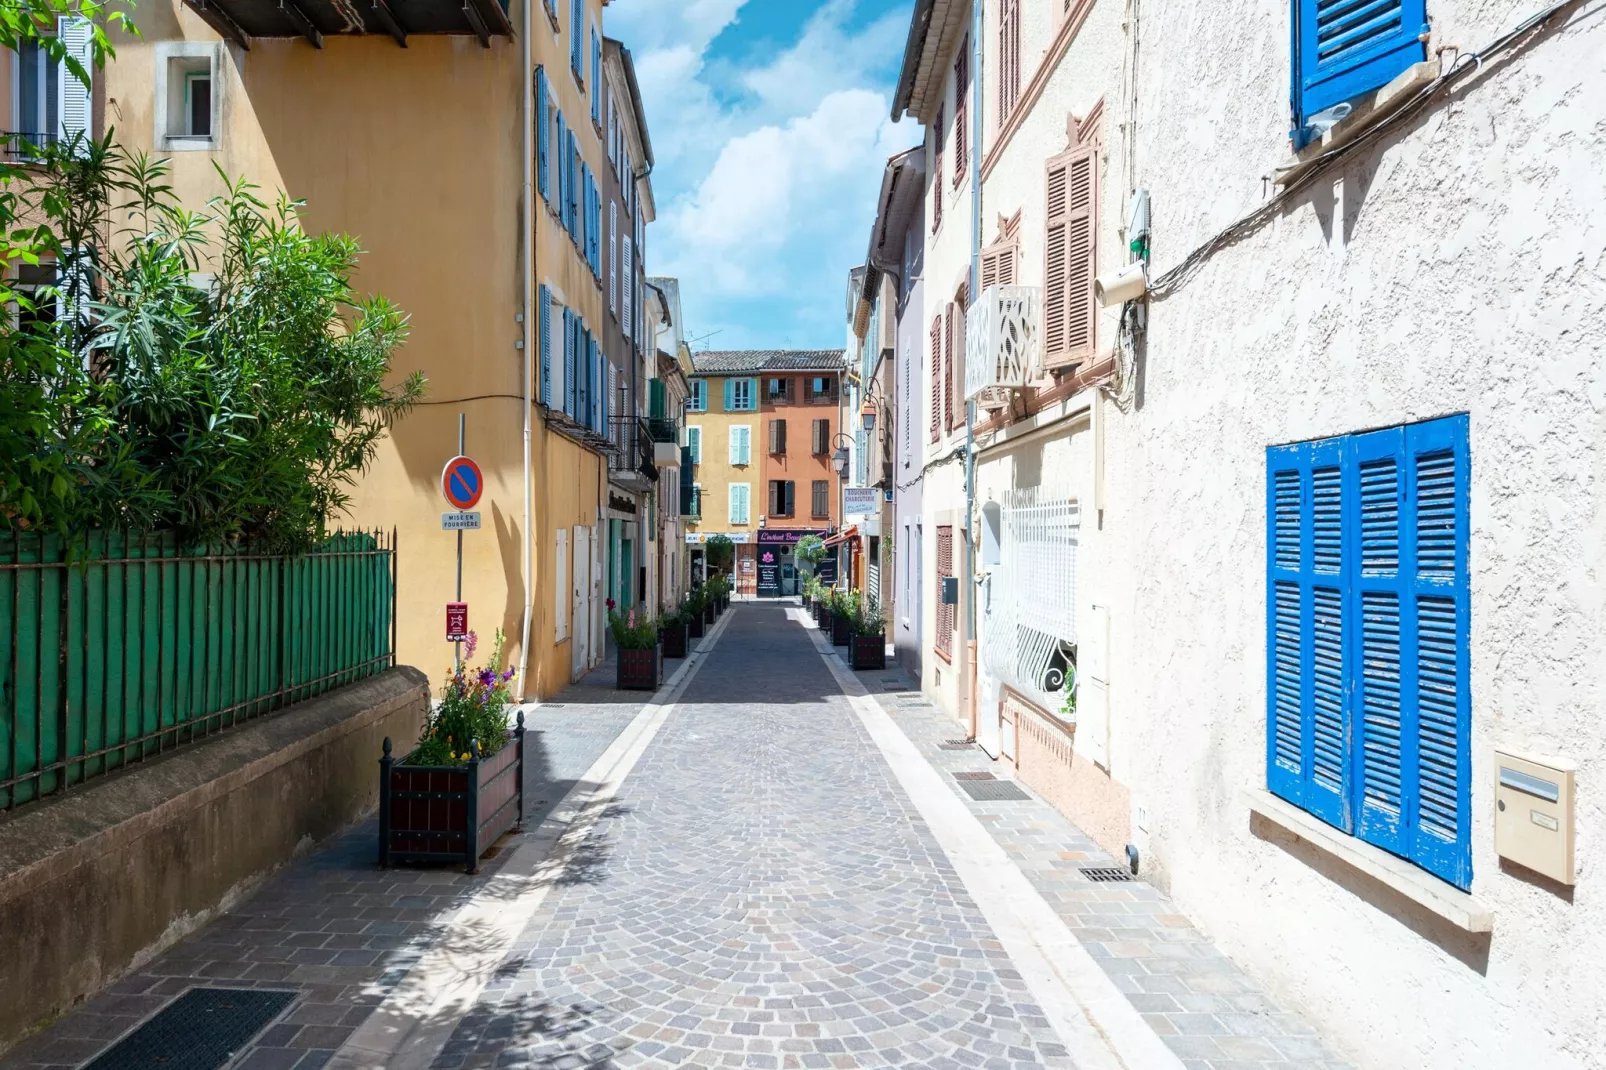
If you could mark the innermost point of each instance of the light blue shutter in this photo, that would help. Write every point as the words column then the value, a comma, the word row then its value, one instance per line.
column 543, row 136
column 563, row 171
column 694, row 442
column 571, row 208
column 577, row 14
column 752, row 395
column 582, row 356
column 1343, row 48
column 1437, row 722
column 596, row 77
column 543, row 328
column 746, row 445
column 730, row 395
column 571, row 385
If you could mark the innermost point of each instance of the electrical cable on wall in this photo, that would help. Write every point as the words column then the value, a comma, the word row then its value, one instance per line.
column 1464, row 64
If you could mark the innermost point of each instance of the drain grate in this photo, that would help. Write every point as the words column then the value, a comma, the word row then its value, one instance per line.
column 1106, row 874
column 993, row 791
column 553, row 705
column 201, row 1030
column 955, row 744
column 974, row 776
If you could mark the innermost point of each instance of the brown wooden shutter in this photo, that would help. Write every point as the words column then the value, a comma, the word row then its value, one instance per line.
column 1069, row 313
column 948, row 370
column 936, row 175
column 961, row 112
column 936, row 375
column 822, row 501
column 956, row 366
column 945, row 568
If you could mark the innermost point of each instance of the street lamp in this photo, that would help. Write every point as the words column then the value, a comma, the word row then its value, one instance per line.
column 840, row 457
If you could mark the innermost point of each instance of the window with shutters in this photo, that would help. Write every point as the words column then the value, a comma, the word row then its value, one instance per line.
column 543, row 136
column 821, row 443
column 945, row 612
column 543, row 336
column 1343, row 48
column 998, row 262
column 694, row 442
column 936, row 376
column 613, row 257
column 782, row 497
column 1008, row 59
column 739, row 500
column 577, row 14
column 778, row 391
column 936, row 173
column 951, row 322
column 697, row 400
column 955, row 399
column 596, row 78
column 778, row 438
column 1069, row 251
column 819, row 389
column 820, row 506
column 1367, row 632
column 741, row 443
column 741, row 395
column 961, row 112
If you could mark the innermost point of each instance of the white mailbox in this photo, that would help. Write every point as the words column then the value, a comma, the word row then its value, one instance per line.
column 1533, row 821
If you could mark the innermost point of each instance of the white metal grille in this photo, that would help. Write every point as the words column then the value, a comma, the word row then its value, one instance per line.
column 1001, row 340
column 1029, row 639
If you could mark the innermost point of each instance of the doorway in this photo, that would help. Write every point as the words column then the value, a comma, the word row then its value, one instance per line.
column 580, row 633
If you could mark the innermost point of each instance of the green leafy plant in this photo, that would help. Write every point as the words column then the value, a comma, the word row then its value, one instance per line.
column 721, row 551
column 633, row 631
column 215, row 375
column 696, row 601
column 674, row 616
column 472, row 710
column 865, row 616
column 810, row 551
column 719, row 587
column 1069, row 708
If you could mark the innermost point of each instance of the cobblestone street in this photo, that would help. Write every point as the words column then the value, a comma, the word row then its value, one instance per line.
column 758, row 879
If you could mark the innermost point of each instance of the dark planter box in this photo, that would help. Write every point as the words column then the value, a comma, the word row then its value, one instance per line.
column 821, row 614
column 841, row 630
column 711, row 614
column 695, row 627
column 443, row 813
column 868, row 652
column 674, row 640
column 641, row 670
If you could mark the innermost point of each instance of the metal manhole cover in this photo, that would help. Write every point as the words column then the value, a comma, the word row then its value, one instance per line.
column 201, row 1030
column 974, row 776
column 1106, row 874
column 993, row 791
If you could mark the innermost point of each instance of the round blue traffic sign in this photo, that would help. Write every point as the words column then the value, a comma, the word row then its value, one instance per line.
column 462, row 482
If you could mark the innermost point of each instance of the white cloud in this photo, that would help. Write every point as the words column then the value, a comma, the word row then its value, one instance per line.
column 766, row 173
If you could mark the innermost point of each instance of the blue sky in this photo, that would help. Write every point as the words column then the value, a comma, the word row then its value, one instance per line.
column 770, row 127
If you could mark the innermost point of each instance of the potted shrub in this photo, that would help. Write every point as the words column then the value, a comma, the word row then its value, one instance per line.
column 720, row 590
column 462, row 786
column 692, row 607
column 710, row 603
column 868, row 650
column 844, row 606
column 672, row 632
column 641, row 660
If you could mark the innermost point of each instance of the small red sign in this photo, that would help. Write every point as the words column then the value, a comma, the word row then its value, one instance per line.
column 456, row 621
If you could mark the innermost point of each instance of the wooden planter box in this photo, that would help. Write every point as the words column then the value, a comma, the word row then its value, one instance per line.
column 695, row 627
column 841, row 630
column 711, row 614
column 444, row 813
column 641, row 670
column 868, row 652
column 674, row 640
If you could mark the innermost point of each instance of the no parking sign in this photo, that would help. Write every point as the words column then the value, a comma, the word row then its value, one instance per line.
column 462, row 482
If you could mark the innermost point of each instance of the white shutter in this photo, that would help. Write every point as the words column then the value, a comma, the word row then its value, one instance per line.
column 561, row 588
column 739, row 503
column 74, row 96
column 736, row 448
column 694, row 441
column 613, row 256
column 628, row 269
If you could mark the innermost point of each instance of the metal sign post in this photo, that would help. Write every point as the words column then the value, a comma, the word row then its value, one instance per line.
column 462, row 483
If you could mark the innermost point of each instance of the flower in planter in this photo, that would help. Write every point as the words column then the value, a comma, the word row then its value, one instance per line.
column 473, row 707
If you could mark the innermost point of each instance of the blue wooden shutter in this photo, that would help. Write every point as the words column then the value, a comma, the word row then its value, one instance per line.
column 563, row 171
column 571, row 385
column 1343, row 48
column 1437, row 722
column 596, row 77
column 577, row 12
column 571, row 208
column 730, row 395
column 543, row 329
column 1287, row 467
column 543, row 136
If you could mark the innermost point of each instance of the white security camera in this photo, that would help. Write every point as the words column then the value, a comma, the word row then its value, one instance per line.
column 1119, row 287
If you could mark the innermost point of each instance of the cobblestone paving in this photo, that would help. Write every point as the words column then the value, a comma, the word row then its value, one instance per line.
column 762, row 894
column 334, row 926
column 1212, row 1014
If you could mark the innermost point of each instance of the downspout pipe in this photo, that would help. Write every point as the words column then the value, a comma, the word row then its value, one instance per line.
column 978, row 80
column 527, row 302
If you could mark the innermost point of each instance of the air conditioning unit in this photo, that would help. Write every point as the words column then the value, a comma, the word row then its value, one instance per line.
column 1003, row 346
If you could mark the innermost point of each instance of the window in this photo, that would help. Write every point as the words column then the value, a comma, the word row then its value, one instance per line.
column 778, row 391
column 596, row 77
column 1008, row 58
column 694, row 441
column 998, row 263
column 543, row 136
column 1069, row 249
column 613, row 257
column 1342, row 51
column 577, row 14
column 936, row 174
column 35, row 89
column 741, row 395
column 698, row 399
column 818, row 388
column 781, row 497
column 821, row 504
column 936, row 376
column 778, row 438
column 741, row 441
column 1368, row 714
column 739, row 494
column 821, row 444
column 961, row 112
column 945, row 611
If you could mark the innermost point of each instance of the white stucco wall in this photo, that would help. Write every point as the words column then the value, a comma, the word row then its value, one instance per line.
column 1456, row 267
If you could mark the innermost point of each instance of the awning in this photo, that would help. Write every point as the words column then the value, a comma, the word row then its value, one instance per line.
column 843, row 536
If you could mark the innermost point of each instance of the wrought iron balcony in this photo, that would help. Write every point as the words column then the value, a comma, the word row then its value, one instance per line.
column 630, row 462
column 691, row 503
column 663, row 429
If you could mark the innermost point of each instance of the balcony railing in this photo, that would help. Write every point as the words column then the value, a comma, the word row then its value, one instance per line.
column 631, row 457
column 663, row 429
column 691, row 503
column 1002, row 350
column 25, row 147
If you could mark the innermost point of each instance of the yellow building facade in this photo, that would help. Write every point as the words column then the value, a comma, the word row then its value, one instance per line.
column 428, row 155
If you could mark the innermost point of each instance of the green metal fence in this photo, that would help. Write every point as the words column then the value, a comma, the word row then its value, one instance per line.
column 131, row 645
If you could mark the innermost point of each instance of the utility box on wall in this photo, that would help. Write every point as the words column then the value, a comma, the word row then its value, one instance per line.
column 1533, row 821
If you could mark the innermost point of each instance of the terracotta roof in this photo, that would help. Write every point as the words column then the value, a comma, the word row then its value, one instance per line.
column 736, row 361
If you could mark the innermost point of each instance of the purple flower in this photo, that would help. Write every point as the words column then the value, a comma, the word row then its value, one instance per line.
column 487, row 677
